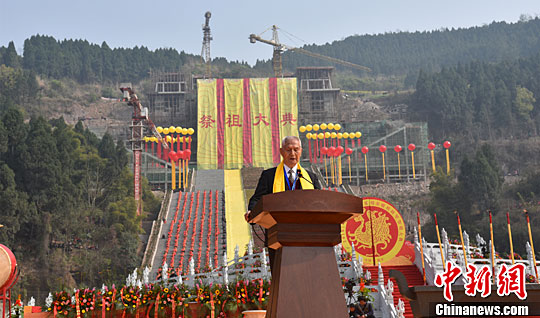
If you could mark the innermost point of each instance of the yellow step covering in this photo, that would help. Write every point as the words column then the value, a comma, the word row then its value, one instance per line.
column 238, row 231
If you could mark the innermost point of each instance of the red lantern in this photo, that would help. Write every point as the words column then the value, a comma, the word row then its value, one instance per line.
column 398, row 148
column 339, row 150
column 431, row 146
column 447, row 144
column 172, row 156
column 348, row 151
column 324, row 150
column 365, row 150
column 382, row 148
column 411, row 147
column 187, row 154
column 181, row 154
column 331, row 151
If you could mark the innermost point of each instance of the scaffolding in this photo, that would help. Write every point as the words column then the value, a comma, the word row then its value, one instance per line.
column 318, row 100
column 173, row 99
column 375, row 134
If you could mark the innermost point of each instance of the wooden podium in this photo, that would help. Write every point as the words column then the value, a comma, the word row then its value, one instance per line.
column 303, row 226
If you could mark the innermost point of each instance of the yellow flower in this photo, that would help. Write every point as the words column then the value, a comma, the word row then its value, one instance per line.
column 166, row 290
column 83, row 311
column 217, row 292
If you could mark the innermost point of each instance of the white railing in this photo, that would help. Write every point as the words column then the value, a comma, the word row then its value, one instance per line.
column 386, row 296
column 454, row 253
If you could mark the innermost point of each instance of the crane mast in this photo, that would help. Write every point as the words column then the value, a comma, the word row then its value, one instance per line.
column 207, row 37
column 138, row 120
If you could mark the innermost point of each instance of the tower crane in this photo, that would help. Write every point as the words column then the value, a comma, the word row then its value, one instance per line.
column 207, row 37
column 139, row 120
column 280, row 47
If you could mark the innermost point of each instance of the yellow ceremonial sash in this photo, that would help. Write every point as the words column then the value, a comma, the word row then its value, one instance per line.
column 279, row 179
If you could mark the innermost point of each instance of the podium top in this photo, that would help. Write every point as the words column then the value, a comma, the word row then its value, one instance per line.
column 306, row 207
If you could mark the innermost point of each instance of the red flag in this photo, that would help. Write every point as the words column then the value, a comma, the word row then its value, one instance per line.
column 103, row 305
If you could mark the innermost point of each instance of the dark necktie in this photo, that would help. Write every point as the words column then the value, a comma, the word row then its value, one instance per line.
column 291, row 179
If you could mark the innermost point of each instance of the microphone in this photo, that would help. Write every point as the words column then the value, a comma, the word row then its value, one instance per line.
column 301, row 176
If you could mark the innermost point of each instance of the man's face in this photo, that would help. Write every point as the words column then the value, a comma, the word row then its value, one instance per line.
column 291, row 152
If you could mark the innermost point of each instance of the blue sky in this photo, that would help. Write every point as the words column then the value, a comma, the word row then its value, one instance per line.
column 177, row 24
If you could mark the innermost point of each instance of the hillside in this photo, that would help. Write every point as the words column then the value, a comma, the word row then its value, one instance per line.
column 405, row 53
column 395, row 58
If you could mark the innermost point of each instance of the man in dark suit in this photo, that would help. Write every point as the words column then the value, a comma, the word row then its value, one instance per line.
column 288, row 175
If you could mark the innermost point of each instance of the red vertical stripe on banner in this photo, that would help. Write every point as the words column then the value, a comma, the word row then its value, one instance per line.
column 220, row 122
column 274, row 113
column 248, row 158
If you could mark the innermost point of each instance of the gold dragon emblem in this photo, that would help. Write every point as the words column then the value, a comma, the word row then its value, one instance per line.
column 361, row 237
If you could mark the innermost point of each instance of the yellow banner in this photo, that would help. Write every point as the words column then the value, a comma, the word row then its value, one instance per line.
column 234, row 106
column 288, row 107
column 261, row 129
column 207, row 124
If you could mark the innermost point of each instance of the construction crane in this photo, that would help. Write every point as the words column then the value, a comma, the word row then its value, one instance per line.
column 207, row 37
column 139, row 120
column 280, row 48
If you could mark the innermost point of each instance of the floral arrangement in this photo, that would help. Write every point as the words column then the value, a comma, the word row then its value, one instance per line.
column 108, row 297
column 476, row 255
column 364, row 291
column 87, row 300
column 17, row 311
column 61, row 304
column 516, row 256
column 530, row 279
column 130, row 297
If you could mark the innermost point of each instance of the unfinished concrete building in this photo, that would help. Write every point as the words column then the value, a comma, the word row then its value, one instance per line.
column 173, row 101
column 318, row 99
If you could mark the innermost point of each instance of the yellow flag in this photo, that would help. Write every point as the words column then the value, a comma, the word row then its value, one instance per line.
column 207, row 124
column 234, row 105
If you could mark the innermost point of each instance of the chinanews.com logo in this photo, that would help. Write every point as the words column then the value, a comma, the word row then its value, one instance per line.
column 510, row 279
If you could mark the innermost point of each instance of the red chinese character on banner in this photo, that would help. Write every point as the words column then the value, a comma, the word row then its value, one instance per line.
column 206, row 121
column 478, row 280
column 287, row 118
column 233, row 121
column 511, row 279
column 447, row 278
column 260, row 118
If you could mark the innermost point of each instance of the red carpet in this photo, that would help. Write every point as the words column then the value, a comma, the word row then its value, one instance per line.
column 411, row 272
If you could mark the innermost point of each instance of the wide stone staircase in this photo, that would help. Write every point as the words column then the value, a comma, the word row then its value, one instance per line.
column 193, row 227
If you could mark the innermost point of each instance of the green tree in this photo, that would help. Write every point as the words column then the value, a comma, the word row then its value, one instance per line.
column 524, row 102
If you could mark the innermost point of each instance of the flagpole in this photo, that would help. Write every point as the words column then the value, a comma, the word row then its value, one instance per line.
column 510, row 237
column 492, row 246
column 439, row 238
column 532, row 245
column 462, row 244
column 421, row 247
